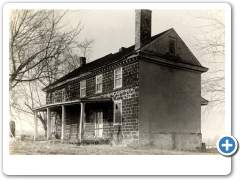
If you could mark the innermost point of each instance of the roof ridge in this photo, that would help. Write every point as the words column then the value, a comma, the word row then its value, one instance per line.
column 161, row 33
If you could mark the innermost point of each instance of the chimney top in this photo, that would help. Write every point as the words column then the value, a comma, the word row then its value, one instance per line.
column 121, row 49
column 143, row 27
column 82, row 61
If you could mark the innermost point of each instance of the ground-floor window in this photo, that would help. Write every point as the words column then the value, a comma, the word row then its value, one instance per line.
column 117, row 112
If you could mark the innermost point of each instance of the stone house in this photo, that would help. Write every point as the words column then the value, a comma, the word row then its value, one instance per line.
column 146, row 94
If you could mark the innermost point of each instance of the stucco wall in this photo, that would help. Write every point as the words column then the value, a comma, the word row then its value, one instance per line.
column 171, row 140
column 169, row 100
column 162, row 46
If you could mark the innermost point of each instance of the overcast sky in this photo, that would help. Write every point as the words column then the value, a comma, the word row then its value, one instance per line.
column 112, row 29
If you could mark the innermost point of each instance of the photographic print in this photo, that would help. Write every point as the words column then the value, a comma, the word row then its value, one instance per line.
column 136, row 81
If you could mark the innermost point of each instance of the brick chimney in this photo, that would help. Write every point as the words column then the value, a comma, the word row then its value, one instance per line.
column 121, row 49
column 143, row 27
column 82, row 61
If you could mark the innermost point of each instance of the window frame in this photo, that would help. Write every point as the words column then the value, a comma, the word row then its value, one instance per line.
column 114, row 103
column 81, row 88
column 53, row 97
column 115, row 86
column 100, row 75
column 63, row 94
column 175, row 43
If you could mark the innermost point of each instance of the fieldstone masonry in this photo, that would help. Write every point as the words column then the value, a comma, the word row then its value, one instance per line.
column 128, row 93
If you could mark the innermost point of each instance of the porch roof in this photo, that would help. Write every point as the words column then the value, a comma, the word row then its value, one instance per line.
column 66, row 103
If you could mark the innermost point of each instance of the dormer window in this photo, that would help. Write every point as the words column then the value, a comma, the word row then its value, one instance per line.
column 172, row 46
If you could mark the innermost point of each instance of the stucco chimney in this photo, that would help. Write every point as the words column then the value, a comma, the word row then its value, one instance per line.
column 82, row 61
column 143, row 27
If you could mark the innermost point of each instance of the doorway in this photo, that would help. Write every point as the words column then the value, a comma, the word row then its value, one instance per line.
column 99, row 124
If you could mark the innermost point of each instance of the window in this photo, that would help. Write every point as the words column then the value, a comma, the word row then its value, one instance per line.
column 118, row 78
column 117, row 112
column 99, row 84
column 83, row 88
column 172, row 46
column 53, row 97
column 63, row 95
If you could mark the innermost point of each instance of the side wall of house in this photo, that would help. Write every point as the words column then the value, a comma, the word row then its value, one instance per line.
column 170, row 107
column 128, row 93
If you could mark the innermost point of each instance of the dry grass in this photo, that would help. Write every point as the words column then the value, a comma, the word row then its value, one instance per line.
column 45, row 148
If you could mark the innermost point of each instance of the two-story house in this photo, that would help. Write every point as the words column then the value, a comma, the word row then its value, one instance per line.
column 147, row 94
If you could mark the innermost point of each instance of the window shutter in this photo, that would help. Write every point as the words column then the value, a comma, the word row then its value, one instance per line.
column 118, row 113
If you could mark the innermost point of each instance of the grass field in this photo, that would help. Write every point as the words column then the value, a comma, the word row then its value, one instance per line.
column 45, row 148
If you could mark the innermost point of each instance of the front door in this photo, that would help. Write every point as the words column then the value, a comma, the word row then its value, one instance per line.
column 99, row 124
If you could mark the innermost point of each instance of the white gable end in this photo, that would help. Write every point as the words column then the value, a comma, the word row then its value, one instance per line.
column 161, row 46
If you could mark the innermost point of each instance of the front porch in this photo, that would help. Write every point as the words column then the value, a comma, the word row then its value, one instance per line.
column 78, row 120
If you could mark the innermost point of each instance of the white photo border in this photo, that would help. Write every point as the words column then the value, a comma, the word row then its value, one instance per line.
column 126, row 165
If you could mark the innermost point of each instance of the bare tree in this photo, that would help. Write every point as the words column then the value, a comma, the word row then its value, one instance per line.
column 41, row 49
column 29, row 96
column 36, row 38
column 71, row 60
column 209, row 43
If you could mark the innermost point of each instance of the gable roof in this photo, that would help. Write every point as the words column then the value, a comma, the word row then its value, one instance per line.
column 110, row 58
column 121, row 55
column 171, row 33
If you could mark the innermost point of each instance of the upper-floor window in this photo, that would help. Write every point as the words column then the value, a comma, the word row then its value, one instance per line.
column 99, row 83
column 83, row 88
column 53, row 97
column 63, row 94
column 118, row 78
column 172, row 46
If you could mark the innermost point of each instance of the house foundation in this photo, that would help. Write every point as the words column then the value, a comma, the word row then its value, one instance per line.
column 171, row 140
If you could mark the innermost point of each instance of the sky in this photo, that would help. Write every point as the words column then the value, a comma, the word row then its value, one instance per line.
column 113, row 29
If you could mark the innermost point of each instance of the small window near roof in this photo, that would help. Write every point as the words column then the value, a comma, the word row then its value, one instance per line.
column 172, row 46
column 118, row 78
column 83, row 88
column 99, row 83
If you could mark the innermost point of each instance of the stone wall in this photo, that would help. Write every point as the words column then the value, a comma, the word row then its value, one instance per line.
column 128, row 93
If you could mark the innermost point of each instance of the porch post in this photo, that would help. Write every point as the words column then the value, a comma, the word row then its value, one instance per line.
column 63, row 122
column 82, row 114
column 49, row 134
column 36, row 125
